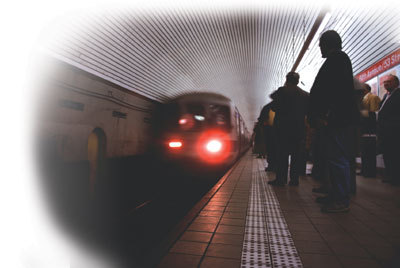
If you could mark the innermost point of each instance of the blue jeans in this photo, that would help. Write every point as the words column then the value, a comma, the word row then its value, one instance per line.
column 339, row 153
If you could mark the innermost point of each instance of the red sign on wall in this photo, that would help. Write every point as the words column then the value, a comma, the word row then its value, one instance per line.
column 383, row 65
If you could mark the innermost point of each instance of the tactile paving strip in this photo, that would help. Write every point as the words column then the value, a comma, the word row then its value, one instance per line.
column 267, row 240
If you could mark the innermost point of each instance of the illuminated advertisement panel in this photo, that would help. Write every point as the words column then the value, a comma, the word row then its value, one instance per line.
column 377, row 73
column 381, row 66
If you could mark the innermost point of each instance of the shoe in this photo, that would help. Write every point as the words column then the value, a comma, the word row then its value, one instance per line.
column 276, row 183
column 320, row 190
column 323, row 199
column 335, row 208
column 294, row 183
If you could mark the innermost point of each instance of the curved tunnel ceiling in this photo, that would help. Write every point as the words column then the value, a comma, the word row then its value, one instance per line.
column 242, row 54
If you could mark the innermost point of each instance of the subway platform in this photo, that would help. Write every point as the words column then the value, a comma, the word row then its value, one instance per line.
column 244, row 222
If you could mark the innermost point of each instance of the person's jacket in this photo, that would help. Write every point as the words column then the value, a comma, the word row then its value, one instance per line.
column 389, row 115
column 290, row 104
column 332, row 96
column 371, row 102
column 267, row 115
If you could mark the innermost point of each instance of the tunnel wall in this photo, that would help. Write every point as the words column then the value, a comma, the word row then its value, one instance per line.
column 73, row 103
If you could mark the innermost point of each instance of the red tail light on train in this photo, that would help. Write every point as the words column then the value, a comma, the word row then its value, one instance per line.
column 182, row 121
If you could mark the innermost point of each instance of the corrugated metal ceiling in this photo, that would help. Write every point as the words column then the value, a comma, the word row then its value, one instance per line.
column 368, row 34
column 242, row 54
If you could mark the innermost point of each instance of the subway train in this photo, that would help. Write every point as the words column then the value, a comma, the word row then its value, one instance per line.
column 201, row 130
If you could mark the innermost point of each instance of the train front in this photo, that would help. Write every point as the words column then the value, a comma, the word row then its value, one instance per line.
column 198, row 135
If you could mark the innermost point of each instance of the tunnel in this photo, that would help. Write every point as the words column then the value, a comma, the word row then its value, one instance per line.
column 146, row 126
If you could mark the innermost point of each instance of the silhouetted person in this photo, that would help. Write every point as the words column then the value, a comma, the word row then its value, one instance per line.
column 333, row 109
column 290, row 104
column 369, row 105
column 258, row 140
column 389, row 130
column 266, row 118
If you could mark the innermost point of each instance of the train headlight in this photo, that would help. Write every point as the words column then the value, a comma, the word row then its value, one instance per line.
column 199, row 117
column 214, row 146
column 175, row 144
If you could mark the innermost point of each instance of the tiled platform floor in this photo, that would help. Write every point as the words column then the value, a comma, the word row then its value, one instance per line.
column 367, row 236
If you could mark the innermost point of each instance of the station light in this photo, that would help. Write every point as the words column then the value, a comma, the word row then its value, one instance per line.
column 321, row 27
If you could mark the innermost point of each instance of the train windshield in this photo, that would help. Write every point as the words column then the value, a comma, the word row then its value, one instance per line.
column 219, row 116
column 197, row 110
column 194, row 117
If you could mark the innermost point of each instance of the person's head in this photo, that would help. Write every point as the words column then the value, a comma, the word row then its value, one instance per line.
column 367, row 88
column 292, row 78
column 391, row 82
column 329, row 41
column 359, row 95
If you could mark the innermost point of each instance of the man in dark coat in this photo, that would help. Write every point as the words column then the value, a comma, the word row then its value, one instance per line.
column 389, row 130
column 266, row 118
column 290, row 104
column 333, row 109
column 369, row 105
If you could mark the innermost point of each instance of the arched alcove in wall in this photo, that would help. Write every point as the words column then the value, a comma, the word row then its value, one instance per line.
column 96, row 154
